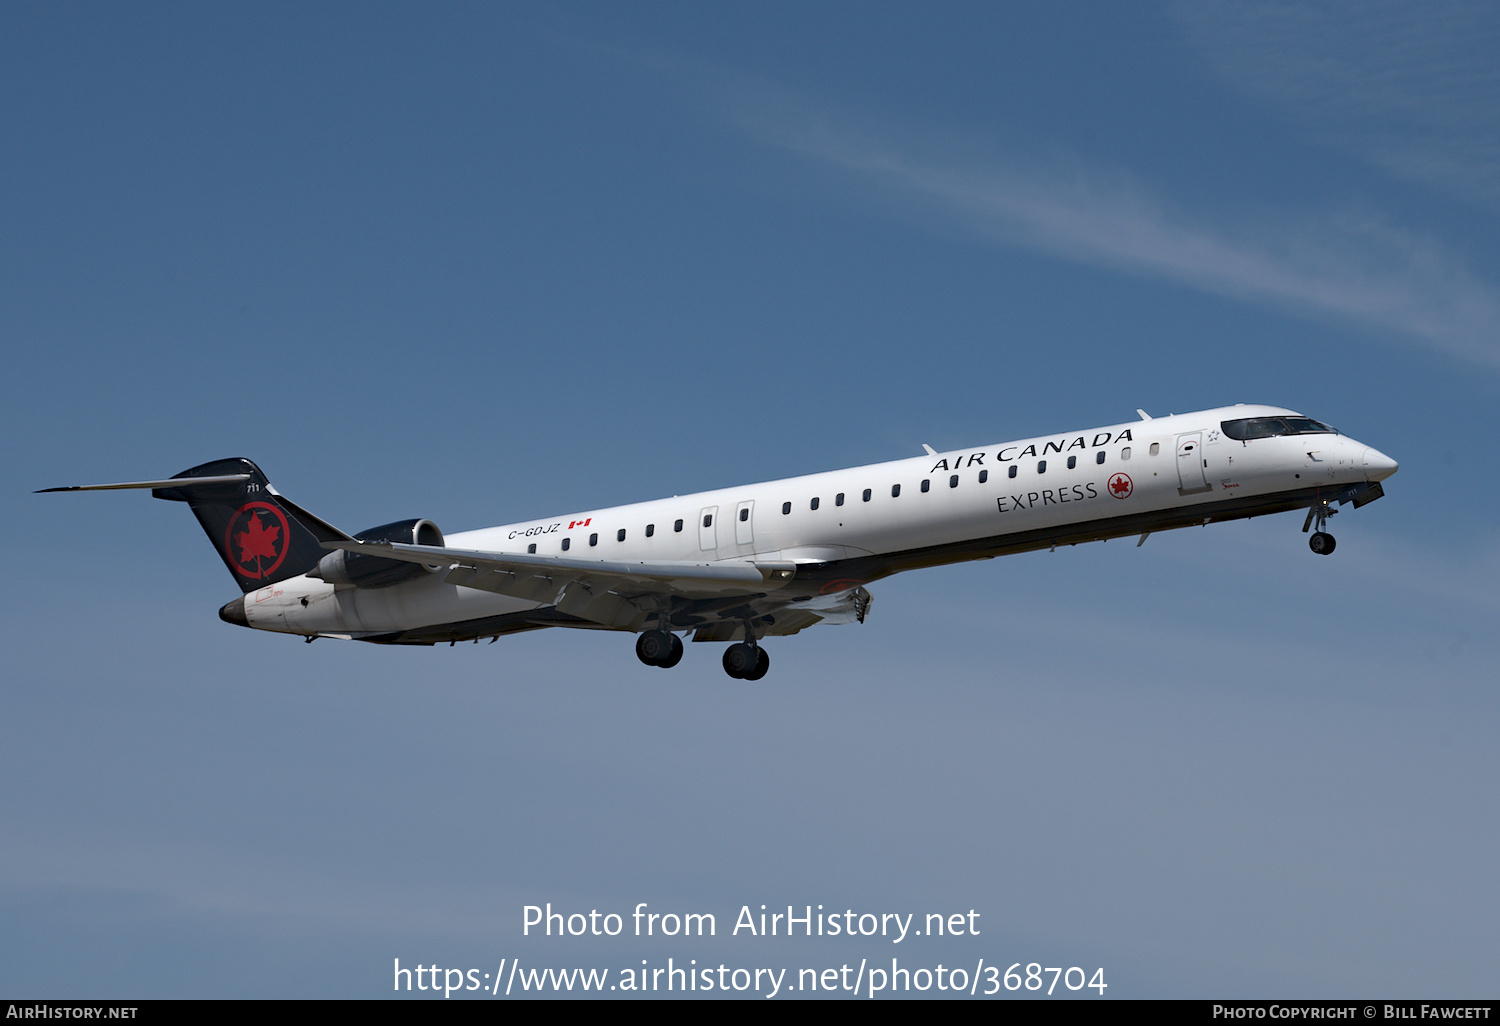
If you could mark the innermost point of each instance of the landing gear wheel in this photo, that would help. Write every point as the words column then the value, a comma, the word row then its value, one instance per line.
column 762, row 664
column 658, row 648
column 675, row 656
column 1318, row 513
column 1321, row 543
column 741, row 660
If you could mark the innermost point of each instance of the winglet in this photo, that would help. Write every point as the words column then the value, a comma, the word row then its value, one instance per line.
column 930, row 450
column 1144, row 414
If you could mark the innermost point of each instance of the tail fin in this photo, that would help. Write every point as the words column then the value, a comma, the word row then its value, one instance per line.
column 262, row 537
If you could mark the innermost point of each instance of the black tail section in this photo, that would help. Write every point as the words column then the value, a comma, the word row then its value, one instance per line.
column 261, row 537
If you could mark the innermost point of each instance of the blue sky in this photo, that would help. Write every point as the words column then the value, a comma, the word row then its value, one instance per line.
column 483, row 263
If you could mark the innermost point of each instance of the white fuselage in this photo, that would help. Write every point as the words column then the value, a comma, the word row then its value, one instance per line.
column 925, row 510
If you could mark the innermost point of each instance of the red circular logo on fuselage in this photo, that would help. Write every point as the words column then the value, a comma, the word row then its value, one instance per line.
column 1120, row 486
column 256, row 540
column 842, row 584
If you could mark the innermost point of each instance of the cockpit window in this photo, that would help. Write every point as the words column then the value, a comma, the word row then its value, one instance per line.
column 1270, row 427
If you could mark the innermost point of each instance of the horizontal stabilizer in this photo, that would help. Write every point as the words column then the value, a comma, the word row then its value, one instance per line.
column 175, row 482
column 262, row 538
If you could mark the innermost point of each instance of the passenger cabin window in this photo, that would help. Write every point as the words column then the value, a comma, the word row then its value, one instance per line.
column 677, row 526
column 895, row 490
column 984, row 475
column 953, row 481
column 838, row 500
column 786, row 508
column 1155, row 448
column 620, row 534
column 867, row 495
column 1041, row 466
column 567, row 544
column 593, row 539
column 1072, row 462
column 1271, row 427
column 1125, row 453
column 814, row 503
column 708, row 520
column 1099, row 456
column 531, row 549
column 1012, row 471
column 926, row 484
column 650, row 530
column 745, row 514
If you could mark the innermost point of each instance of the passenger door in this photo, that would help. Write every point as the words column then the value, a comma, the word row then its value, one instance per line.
column 744, row 523
column 707, row 528
column 1190, row 464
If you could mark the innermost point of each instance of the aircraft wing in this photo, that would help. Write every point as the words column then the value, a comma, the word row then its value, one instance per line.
column 607, row 592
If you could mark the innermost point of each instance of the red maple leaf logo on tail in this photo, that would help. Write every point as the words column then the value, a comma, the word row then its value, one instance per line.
column 256, row 540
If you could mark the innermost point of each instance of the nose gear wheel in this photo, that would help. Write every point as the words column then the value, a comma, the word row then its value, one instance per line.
column 1318, row 513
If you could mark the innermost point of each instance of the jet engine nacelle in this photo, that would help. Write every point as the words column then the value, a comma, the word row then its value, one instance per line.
column 356, row 570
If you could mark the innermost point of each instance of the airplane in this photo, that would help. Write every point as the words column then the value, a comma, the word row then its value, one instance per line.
column 762, row 560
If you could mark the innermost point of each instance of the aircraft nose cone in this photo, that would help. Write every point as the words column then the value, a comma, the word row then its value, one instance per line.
column 234, row 612
column 1378, row 466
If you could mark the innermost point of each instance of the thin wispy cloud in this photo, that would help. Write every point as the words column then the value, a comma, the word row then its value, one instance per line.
column 1351, row 267
column 1411, row 86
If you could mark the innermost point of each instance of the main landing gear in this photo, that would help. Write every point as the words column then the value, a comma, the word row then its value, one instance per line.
column 743, row 661
column 659, row 648
column 746, row 661
column 1321, row 541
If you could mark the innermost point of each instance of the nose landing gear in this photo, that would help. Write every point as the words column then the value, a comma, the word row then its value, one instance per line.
column 1321, row 542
